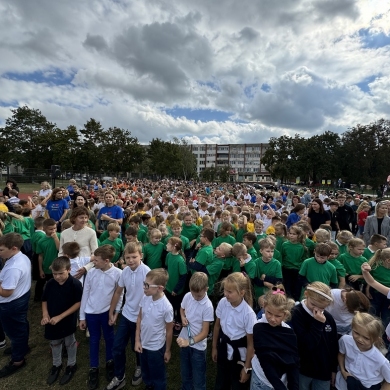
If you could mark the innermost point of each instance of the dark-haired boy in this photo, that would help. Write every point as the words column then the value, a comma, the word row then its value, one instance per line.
column 60, row 302
column 15, row 285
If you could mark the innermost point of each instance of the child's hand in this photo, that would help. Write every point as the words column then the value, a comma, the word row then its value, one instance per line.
column 80, row 273
column 182, row 343
column 345, row 374
column 244, row 376
column 83, row 324
column 366, row 267
column 184, row 321
column 55, row 320
column 42, row 274
column 214, row 354
column 167, row 356
column 45, row 320
column 354, row 278
column 104, row 217
column 173, row 294
column 268, row 285
column 319, row 315
column 192, row 260
column 112, row 319
column 138, row 347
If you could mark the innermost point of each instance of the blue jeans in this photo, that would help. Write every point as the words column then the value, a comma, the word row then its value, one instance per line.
column 193, row 369
column 257, row 384
column 96, row 323
column 306, row 383
column 154, row 374
column 124, row 332
column 13, row 317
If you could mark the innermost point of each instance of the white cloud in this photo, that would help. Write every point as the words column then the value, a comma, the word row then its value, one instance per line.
column 129, row 62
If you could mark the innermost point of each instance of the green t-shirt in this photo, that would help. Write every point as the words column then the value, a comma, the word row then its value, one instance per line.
column 240, row 234
column 234, row 229
column 368, row 253
column 176, row 266
column 214, row 270
column 316, row 272
column 104, row 235
column 310, row 245
column 205, row 255
column 271, row 268
column 30, row 224
column 38, row 234
column 118, row 246
column 381, row 275
column 231, row 264
column 142, row 236
column 221, row 239
column 23, row 228
column 9, row 228
column 277, row 256
column 250, row 268
column 252, row 252
column 342, row 248
column 352, row 264
column 339, row 268
column 47, row 247
column 191, row 232
column 279, row 242
column 293, row 255
column 152, row 255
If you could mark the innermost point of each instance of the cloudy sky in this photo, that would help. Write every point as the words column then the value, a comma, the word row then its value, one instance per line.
column 223, row 71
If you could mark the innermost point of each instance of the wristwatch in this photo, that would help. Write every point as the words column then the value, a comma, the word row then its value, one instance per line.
column 191, row 341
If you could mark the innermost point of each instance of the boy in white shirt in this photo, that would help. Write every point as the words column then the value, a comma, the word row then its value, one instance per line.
column 79, row 266
column 99, row 287
column 132, row 278
column 15, row 285
column 154, row 330
column 196, row 314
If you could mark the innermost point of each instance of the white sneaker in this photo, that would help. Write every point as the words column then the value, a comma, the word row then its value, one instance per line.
column 116, row 384
column 3, row 344
column 137, row 377
column 87, row 333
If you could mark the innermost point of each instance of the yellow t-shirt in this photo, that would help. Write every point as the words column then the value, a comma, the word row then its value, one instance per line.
column 3, row 207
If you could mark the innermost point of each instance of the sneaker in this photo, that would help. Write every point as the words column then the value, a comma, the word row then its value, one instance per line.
column 3, row 344
column 93, row 378
column 87, row 335
column 69, row 373
column 54, row 373
column 11, row 368
column 210, row 336
column 137, row 377
column 116, row 383
column 110, row 370
column 177, row 329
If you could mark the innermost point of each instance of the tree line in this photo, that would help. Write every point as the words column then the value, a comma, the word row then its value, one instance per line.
column 361, row 155
column 30, row 141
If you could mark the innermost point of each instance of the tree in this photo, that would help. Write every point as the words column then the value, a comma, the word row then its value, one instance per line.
column 187, row 160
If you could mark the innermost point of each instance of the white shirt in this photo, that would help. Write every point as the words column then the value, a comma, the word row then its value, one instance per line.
column 340, row 313
column 45, row 193
column 133, row 281
column 99, row 287
column 77, row 263
column 16, row 275
column 369, row 367
column 256, row 366
column 155, row 316
column 196, row 313
column 236, row 322
column 39, row 211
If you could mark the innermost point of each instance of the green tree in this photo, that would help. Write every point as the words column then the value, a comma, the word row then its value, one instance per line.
column 187, row 160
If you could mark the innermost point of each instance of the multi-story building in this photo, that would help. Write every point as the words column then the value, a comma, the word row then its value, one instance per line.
column 243, row 160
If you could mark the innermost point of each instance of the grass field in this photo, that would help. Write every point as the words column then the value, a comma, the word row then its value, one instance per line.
column 33, row 375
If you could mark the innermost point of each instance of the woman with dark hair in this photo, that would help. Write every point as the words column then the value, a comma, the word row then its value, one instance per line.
column 56, row 206
column 295, row 215
column 317, row 215
column 10, row 185
column 81, row 201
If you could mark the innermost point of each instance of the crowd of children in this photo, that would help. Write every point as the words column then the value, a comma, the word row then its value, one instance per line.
column 285, row 286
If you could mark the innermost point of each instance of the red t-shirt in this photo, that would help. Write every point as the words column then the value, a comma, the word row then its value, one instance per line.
column 362, row 216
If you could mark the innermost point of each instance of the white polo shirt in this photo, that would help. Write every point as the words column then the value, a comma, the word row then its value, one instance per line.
column 16, row 275
column 196, row 313
column 369, row 367
column 99, row 287
column 236, row 322
column 155, row 316
column 133, row 282
column 340, row 313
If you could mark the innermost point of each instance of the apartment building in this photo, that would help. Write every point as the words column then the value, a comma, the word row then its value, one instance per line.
column 243, row 160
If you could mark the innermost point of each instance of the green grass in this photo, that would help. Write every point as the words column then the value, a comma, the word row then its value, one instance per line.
column 33, row 375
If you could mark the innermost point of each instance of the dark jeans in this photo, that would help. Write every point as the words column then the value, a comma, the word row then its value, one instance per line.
column 193, row 369
column 354, row 384
column 175, row 301
column 27, row 249
column 40, row 285
column 291, row 282
column 228, row 376
column 96, row 323
column 124, row 332
column 153, row 369
column 13, row 317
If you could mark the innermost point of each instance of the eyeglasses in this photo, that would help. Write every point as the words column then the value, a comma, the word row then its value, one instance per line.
column 147, row 285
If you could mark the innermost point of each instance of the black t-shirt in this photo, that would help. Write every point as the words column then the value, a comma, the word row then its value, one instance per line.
column 317, row 219
column 380, row 220
column 60, row 298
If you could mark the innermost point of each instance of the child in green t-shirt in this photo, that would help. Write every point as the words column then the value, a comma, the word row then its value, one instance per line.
column 153, row 251
column 177, row 271
column 342, row 239
column 333, row 259
column 249, row 240
column 247, row 264
column 204, row 257
column 377, row 241
column 47, row 250
column 134, row 222
column 38, row 234
column 259, row 225
column 242, row 228
column 114, row 240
